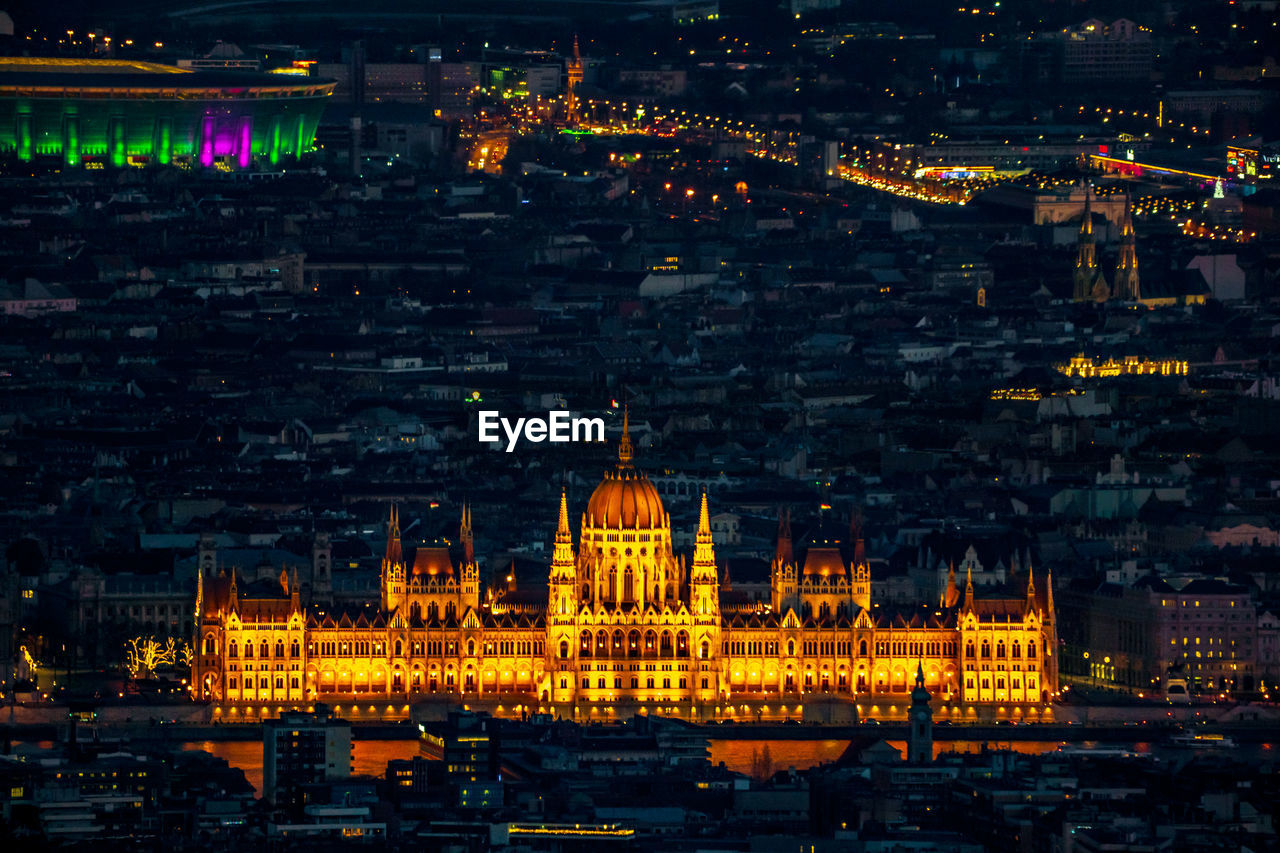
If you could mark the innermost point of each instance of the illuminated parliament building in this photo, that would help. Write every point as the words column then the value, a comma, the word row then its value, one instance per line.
column 627, row 625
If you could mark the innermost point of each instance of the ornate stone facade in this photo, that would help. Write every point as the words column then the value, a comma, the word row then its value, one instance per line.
column 625, row 624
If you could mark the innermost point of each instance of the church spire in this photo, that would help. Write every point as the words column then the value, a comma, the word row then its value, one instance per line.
column 464, row 533
column 1048, row 597
column 952, row 594
column 562, row 528
column 855, row 534
column 704, row 521
column 1086, row 272
column 1127, row 287
column 394, row 552
column 968, row 587
column 562, row 560
column 625, row 450
column 784, row 554
column 704, row 558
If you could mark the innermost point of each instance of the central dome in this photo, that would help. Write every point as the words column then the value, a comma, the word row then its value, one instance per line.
column 625, row 499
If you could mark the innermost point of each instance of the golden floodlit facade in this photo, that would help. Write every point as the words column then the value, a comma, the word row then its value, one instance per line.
column 625, row 624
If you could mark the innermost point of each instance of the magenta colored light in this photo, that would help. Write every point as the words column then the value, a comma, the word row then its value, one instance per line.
column 246, row 142
column 206, row 141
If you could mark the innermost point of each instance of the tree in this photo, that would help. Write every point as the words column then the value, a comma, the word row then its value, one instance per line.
column 761, row 764
column 144, row 655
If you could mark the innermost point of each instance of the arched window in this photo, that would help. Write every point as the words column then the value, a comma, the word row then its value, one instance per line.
column 564, row 649
column 633, row 643
column 248, row 648
column 862, row 648
column 986, row 649
column 665, row 647
column 1000, row 649
column 471, row 647
column 1016, row 649
column 650, row 641
column 279, row 648
column 602, row 642
column 399, row 648
column 209, row 645
column 682, row 644
column 968, row 649
column 705, row 650
column 1031, row 649
column 263, row 650
column 293, row 649
column 791, row 647
column 619, row 642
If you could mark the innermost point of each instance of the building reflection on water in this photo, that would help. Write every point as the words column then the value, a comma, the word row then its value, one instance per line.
column 370, row 757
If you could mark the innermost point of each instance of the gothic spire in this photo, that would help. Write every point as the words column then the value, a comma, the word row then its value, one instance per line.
column 704, row 558
column 1127, row 287
column 625, row 450
column 855, row 534
column 704, row 521
column 952, row 594
column 394, row 553
column 468, row 543
column 562, row 528
column 784, row 554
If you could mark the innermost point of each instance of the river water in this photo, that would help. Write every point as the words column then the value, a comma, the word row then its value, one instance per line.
column 370, row 757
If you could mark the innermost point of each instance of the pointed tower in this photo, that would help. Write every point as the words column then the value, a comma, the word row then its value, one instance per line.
column 322, row 569
column 573, row 79
column 1127, row 288
column 861, row 591
column 784, row 579
column 1050, row 645
column 295, row 593
column 562, row 600
column 920, row 745
column 1086, row 261
column 233, row 594
column 704, row 582
column 470, row 569
column 393, row 568
column 951, row 595
column 626, row 452
column 465, row 536
column 968, row 588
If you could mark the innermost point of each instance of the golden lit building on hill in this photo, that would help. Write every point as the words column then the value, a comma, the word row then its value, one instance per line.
column 625, row 624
